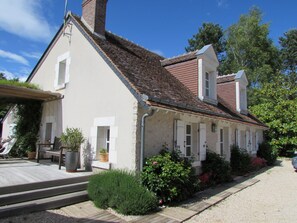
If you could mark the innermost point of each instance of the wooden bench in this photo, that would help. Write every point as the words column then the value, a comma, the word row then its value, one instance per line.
column 55, row 151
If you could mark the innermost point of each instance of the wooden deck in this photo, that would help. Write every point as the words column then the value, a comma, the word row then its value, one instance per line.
column 21, row 171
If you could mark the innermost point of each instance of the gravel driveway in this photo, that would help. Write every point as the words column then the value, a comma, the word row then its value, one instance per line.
column 273, row 199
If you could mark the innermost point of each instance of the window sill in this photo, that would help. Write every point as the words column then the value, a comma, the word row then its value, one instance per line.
column 60, row 87
column 101, row 165
column 209, row 100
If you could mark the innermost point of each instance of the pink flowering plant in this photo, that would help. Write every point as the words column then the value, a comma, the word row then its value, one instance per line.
column 170, row 177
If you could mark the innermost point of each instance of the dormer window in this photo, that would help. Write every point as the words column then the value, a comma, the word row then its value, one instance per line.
column 207, row 75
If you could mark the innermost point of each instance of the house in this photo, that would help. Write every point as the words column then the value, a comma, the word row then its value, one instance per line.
column 132, row 101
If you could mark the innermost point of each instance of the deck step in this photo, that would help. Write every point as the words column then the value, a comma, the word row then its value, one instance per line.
column 19, row 197
column 43, row 204
column 40, row 185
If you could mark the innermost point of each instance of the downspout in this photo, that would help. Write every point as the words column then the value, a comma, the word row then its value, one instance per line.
column 150, row 113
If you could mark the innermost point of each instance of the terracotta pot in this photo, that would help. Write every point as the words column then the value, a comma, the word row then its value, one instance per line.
column 31, row 155
column 103, row 157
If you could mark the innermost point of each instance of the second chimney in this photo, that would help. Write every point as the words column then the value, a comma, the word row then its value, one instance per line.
column 94, row 15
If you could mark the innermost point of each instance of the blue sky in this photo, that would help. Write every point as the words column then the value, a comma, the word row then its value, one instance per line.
column 163, row 26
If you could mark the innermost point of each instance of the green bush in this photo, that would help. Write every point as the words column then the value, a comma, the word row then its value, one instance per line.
column 28, row 118
column 170, row 177
column 218, row 169
column 121, row 191
column 240, row 160
column 266, row 152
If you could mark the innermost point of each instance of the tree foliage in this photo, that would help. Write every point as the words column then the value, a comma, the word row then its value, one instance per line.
column 209, row 33
column 289, row 55
column 277, row 108
column 249, row 48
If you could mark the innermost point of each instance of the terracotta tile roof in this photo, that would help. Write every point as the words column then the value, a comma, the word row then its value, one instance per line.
column 145, row 74
column 178, row 59
column 225, row 78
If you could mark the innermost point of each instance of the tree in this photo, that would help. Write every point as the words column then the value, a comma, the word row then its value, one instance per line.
column 289, row 55
column 3, row 106
column 277, row 108
column 2, row 76
column 249, row 48
column 209, row 33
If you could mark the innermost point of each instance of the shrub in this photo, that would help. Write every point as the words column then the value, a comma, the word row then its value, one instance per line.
column 170, row 177
column 240, row 160
column 257, row 163
column 121, row 191
column 28, row 118
column 266, row 152
column 217, row 168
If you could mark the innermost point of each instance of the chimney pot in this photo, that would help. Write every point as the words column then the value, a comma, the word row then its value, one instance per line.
column 94, row 15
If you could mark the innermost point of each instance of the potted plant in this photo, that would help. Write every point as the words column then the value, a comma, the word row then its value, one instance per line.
column 103, row 155
column 31, row 153
column 72, row 138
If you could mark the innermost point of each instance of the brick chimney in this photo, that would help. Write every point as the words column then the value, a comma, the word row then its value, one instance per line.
column 94, row 15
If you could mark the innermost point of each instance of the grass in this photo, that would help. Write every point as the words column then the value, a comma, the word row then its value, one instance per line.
column 19, row 84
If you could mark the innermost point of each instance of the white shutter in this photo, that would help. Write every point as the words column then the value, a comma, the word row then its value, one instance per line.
column 180, row 136
column 202, row 144
column 67, row 73
column 56, row 82
column 247, row 140
column 257, row 141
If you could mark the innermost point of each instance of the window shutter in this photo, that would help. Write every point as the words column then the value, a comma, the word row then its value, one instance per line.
column 56, row 82
column 180, row 136
column 202, row 144
column 67, row 73
column 247, row 140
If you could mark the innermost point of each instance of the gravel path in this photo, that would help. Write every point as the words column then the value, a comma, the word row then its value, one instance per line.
column 273, row 199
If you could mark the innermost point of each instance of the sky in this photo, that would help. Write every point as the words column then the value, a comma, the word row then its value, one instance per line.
column 162, row 26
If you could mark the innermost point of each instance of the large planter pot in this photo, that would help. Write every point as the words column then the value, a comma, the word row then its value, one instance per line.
column 103, row 157
column 31, row 155
column 71, row 161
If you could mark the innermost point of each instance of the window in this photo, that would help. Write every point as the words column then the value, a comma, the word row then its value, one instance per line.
column 107, row 139
column 207, row 84
column 48, row 132
column 188, row 140
column 221, row 142
column 103, row 139
column 62, row 71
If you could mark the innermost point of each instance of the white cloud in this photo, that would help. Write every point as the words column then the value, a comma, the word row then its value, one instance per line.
column 13, row 57
column 34, row 55
column 24, row 18
column 160, row 52
column 222, row 3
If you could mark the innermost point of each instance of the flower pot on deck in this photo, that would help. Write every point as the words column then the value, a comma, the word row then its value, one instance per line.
column 71, row 161
column 31, row 155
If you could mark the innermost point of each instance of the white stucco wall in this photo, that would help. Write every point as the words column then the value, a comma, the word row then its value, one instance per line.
column 94, row 91
column 159, row 129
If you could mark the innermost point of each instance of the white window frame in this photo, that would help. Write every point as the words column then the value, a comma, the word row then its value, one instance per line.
column 63, row 59
column 191, row 140
column 203, row 68
column 207, row 85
